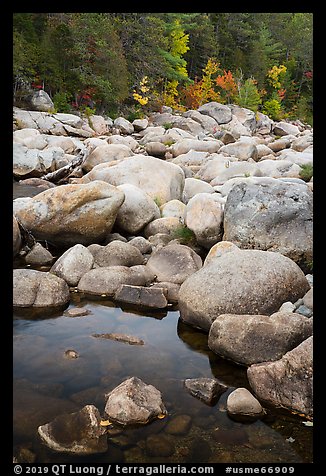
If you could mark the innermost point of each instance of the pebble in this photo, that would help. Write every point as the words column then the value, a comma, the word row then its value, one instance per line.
column 287, row 307
column 71, row 354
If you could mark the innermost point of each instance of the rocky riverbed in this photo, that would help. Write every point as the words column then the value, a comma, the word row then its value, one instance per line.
column 206, row 213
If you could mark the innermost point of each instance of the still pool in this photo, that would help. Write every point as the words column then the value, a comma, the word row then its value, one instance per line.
column 47, row 384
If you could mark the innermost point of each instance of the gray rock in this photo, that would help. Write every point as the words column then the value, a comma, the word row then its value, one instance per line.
column 221, row 113
column 74, row 262
column 287, row 307
column 39, row 256
column 205, row 218
column 160, row 179
column 106, row 153
column 302, row 142
column 288, row 382
column 140, row 124
column 214, row 166
column 118, row 253
column 172, row 290
column 308, row 298
column 206, row 389
column 208, row 123
column 283, row 128
column 17, row 240
column 125, row 140
column 156, row 149
column 194, row 186
column 245, row 116
column 174, row 208
column 78, row 433
column 137, row 210
column 41, row 101
column 106, row 281
column 33, row 288
column 166, row 225
column 186, row 145
column 242, row 406
column 241, row 149
column 260, row 338
column 238, row 283
column 279, row 144
column 304, row 311
column 174, row 263
column 70, row 214
column 142, row 244
column 124, row 125
column 142, row 296
column 134, row 402
column 276, row 217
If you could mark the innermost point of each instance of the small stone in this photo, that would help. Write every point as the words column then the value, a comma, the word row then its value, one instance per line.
column 132, row 340
column 179, row 425
column 38, row 256
column 287, row 307
column 304, row 310
column 206, row 389
column 71, row 354
column 76, row 312
column 243, row 406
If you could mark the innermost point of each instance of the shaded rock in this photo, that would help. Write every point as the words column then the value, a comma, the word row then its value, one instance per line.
column 140, row 124
column 137, row 210
column 238, row 283
column 283, row 128
column 33, row 288
column 178, row 425
column 73, row 264
column 142, row 244
column 142, row 296
column 304, row 311
column 280, row 144
column 37, row 182
column 132, row 340
column 106, row 153
column 39, row 256
column 194, row 186
column 206, row 389
column 241, row 149
column 259, row 338
column 118, row 253
column 276, row 217
column 17, row 240
column 160, row 179
column 159, row 445
column 156, row 149
column 263, row 150
column 221, row 113
column 99, row 124
column 68, row 214
column 207, row 123
column 288, row 382
column 109, row 238
column 172, row 290
column 134, row 402
column 205, row 218
column 302, row 142
column 308, row 299
column 78, row 433
column 242, row 406
column 174, row 263
column 247, row 117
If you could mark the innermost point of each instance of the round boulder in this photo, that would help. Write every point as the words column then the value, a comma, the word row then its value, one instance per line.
column 241, row 405
column 240, row 282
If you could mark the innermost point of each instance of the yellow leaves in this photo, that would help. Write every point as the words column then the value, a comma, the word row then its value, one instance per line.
column 105, row 423
column 142, row 99
column 275, row 74
column 161, row 416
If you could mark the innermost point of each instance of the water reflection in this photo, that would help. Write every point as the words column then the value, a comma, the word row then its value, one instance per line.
column 47, row 384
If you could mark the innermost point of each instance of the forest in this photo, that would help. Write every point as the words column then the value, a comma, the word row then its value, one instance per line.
column 133, row 63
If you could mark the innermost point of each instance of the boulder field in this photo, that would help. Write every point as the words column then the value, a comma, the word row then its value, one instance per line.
column 212, row 214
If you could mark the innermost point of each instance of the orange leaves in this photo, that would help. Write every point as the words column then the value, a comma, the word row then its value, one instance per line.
column 227, row 84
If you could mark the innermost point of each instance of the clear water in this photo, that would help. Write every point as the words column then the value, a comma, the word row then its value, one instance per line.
column 47, row 384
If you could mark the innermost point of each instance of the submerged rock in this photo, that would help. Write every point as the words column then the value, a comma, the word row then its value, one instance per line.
column 77, row 433
column 134, row 402
column 206, row 389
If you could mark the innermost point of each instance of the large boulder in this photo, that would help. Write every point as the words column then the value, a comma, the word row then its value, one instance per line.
column 137, row 210
column 240, row 282
column 70, row 214
column 213, row 167
column 106, row 153
column 207, row 123
column 240, row 149
column 174, row 263
column 221, row 113
column 134, row 402
column 205, row 218
column 79, row 433
column 277, row 216
column 259, row 338
column 185, row 145
column 74, row 262
column 161, row 180
column 194, row 186
column 118, row 253
column 288, row 382
column 247, row 117
column 123, row 125
column 283, row 128
column 33, row 288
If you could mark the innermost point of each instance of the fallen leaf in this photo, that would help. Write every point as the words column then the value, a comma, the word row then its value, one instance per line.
column 105, row 423
column 308, row 423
